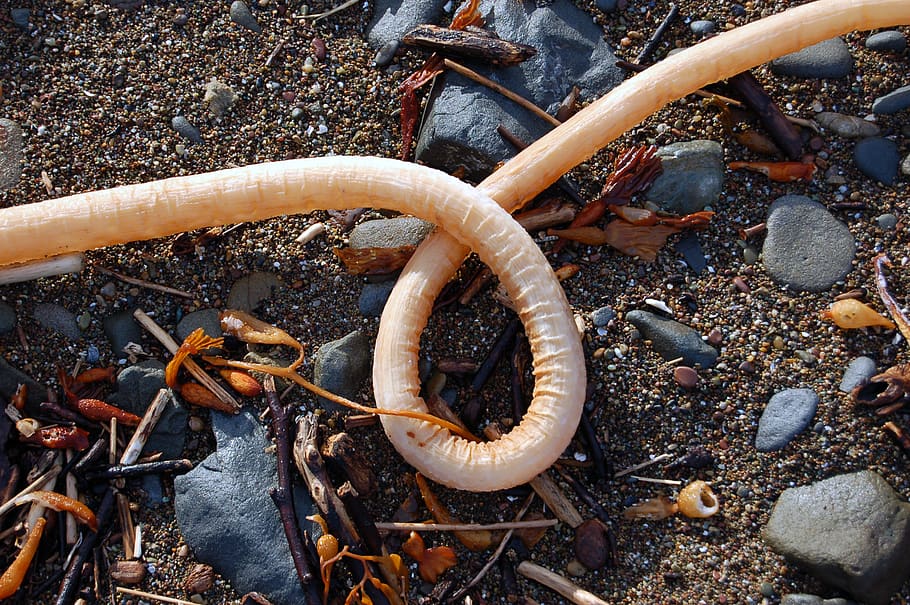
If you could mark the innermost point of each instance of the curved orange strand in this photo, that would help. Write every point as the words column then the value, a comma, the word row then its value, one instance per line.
column 15, row 573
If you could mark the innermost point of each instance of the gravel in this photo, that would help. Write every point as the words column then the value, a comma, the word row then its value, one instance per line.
column 96, row 109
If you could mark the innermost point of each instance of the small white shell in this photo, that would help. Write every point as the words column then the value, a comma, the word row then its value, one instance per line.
column 697, row 501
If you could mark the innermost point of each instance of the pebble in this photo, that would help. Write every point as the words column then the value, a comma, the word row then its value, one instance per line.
column 858, row 373
column 827, row 59
column 602, row 316
column 673, row 340
column 341, row 366
column 389, row 233
column 850, row 127
column 607, row 6
column 386, row 54
column 373, row 298
column 891, row 41
column 241, row 15
column 186, row 130
column 690, row 249
column 685, row 377
column 592, row 544
column 799, row 598
column 20, row 17
column 11, row 154
column 692, row 177
column 806, row 247
column 121, row 329
column 905, row 166
column 219, row 97
column 702, row 27
column 7, row 318
column 886, row 221
column 207, row 319
column 850, row 531
column 893, row 102
column 249, row 291
column 787, row 414
column 56, row 318
column 878, row 158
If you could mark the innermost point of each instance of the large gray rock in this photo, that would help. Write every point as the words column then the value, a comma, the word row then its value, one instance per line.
column 394, row 18
column 788, row 412
column 806, row 248
column 459, row 127
column 827, row 59
column 227, row 517
column 673, row 340
column 341, row 366
column 850, row 531
column 692, row 177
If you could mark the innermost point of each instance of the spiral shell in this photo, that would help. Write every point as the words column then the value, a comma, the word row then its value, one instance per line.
column 697, row 501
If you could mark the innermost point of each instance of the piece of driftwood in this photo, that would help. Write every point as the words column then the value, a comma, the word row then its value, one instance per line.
column 470, row 43
column 784, row 133
column 122, row 471
column 651, row 45
column 339, row 449
column 558, row 583
column 73, row 576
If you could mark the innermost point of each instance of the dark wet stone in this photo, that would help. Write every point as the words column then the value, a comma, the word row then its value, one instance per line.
column 185, row 129
column 891, row 41
column 121, row 328
column 607, row 6
column 386, row 54
column 227, row 518
column 692, row 177
column 7, row 318
column 851, row 531
column 878, row 158
column 373, row 298
column 690, row 249
column 673, row 340
column 787, row 414
column 806, row 248
column 207, row 319
column 858, row 373
column 341, row 366
column 58, row 319
column 20, row 17
column 241, row 15
column 11, row 378
column 827, row 59
column 602, row 316
column 893, row 102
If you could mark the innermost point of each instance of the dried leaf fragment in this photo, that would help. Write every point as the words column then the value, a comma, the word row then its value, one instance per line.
column 430, row 561
column 196, row 394
column 374, row 261
column 890, row 386
column 781, row 172
column 643, row 242
column 474, row 540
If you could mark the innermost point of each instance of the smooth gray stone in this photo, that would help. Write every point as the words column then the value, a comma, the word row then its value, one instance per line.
column 227, row 518
column 886, row 221
column 602, row 316
column 607, row 6
column 20, row 17
column 373, row 298
column 672, row 339
column 7, row 318
column 905, row 166
column 702, row 27
column 878, row 158
column 460, row 124
column 851, row 127
column 392, row 19
column 692, row 177
column 250, row 290
column 690, row 249
column 11, row 153
column 185, row 129
column 858, row 373
column 390, row 232
column 57, row 319
column 891, row 41
column 801, row 599
column 341, row 366
column 827, row 59
column 11, row 378
column 241, row 15
column 893, row 102
column 121, row 328
column 787, row 414
column 851, row 531
column 806, row 248
column 207, row 319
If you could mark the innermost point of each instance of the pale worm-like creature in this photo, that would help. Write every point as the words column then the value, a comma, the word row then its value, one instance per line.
column 90, row 220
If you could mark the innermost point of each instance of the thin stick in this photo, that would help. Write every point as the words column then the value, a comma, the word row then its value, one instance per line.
column 154, row 597
column 658, row 35
column 72, row 532
column 881, row 283
column 191, row 366
column 143, row 283
column 329, row 13
column 473, row 75
column 655, row 480
column 47, row 476
column 401, row 526
column 146, row 426
column 641, row 465
column 556, row 582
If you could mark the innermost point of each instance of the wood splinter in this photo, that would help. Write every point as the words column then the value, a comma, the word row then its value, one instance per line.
column 559, row 584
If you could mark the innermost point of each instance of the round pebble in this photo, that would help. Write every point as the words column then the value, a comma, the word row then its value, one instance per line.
column 891, row 41
column 702, row 27
column 878, row 158
column 685, row 377
column 886, row 221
